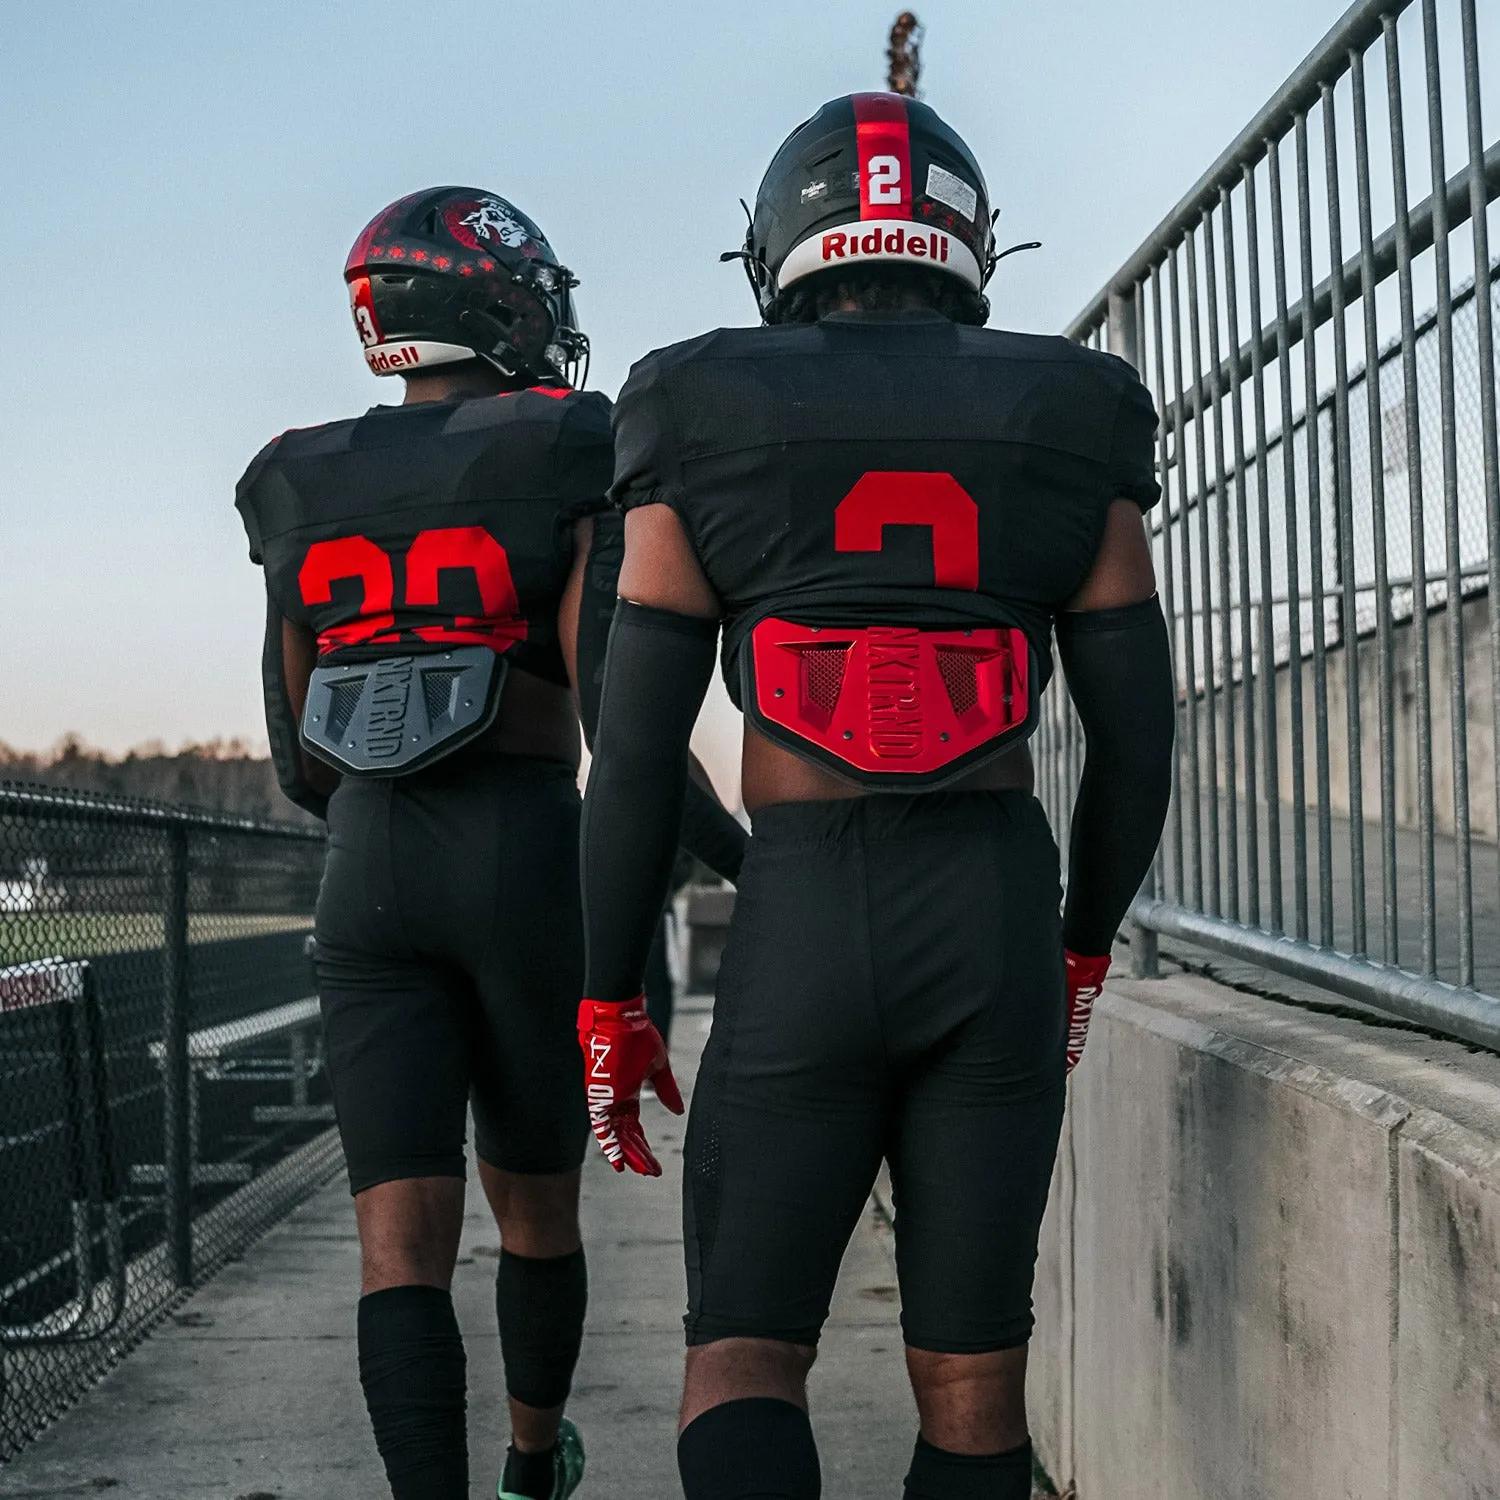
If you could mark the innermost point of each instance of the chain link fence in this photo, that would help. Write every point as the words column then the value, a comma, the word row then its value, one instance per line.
column 163, row 1098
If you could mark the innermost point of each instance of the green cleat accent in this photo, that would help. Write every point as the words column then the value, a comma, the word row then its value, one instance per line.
column 567, row 1465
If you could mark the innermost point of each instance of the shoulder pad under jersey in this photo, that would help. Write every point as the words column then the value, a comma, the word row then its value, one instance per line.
column 243, row 493
column 572, row 428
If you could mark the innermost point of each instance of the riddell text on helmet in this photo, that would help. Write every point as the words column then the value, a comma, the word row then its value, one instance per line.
column 400, row 358
column 882, row 239
column 408, row 354
column 931, row 245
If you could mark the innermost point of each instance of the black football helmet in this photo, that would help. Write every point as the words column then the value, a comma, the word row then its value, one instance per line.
column 452, row 273
column 870, row 177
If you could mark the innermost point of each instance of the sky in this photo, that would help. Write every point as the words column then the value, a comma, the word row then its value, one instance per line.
column 181, row 183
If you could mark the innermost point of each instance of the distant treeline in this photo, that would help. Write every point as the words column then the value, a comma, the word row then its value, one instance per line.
column 220, row 776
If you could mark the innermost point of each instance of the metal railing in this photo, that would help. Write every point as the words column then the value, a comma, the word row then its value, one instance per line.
column 1328, row 547
column 162, row 1097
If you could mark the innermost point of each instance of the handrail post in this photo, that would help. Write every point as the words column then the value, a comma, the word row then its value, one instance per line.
column 1123, row 335
column 177, row 1182
column 1145, row 953
column 1122, row 332
column 1145, row 946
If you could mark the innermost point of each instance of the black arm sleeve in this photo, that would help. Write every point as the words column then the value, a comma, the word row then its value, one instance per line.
column 659, row 669
column 708, row 831
column 1119, row 671
column 281, row 722
column 596, row 613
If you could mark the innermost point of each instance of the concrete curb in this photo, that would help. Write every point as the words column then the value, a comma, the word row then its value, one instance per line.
column 1265, row 1270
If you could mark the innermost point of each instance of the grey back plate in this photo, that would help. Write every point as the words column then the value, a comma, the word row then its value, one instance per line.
column 396, row 715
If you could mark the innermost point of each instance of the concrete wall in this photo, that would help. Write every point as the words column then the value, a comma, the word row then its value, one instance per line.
column 1480, row 740
column 1271, row 1263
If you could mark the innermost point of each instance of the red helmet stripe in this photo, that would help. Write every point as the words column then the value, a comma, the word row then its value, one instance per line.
column 884, row 141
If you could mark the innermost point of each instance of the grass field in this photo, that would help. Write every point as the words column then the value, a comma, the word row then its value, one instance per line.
column 28, row 936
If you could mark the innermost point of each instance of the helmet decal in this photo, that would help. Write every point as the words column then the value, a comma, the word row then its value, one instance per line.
column 362, row 304
column 489, row 219
column 952, row 191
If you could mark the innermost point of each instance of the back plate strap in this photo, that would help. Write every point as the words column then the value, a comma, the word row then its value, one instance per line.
column 891, row 707
column 398, row 714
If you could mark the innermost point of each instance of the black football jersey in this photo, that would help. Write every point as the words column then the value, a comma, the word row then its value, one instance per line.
column 887, row 467
column 416, row 528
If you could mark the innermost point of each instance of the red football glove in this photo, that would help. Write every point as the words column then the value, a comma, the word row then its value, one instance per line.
column 1085, row 985
column 621, row 1051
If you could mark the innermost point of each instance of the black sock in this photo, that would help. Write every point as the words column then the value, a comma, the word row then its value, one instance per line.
column 411, row 1364
column 755, row 1449
column 530, row 1474
column 539, row 1305
column 936, row 1474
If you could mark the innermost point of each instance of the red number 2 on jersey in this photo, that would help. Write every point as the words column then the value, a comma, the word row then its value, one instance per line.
column 431, row 553
column 899, row 497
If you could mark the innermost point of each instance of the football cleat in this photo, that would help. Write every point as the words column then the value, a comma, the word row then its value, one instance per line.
column 567, row 1461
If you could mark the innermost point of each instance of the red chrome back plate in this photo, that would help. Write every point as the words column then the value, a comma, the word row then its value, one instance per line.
column 890, row 700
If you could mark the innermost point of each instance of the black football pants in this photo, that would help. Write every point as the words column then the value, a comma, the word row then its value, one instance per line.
column 450, row 964
column 892, row 988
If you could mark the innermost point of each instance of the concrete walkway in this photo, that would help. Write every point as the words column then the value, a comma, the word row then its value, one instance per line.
column 250, row 1392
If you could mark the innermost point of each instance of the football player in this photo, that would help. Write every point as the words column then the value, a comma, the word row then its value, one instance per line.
column 890, row 512
column 425, row 565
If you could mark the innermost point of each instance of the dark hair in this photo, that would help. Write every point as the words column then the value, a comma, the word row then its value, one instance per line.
column 881, row 288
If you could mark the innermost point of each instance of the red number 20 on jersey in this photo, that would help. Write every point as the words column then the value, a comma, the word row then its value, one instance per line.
column 431, row 553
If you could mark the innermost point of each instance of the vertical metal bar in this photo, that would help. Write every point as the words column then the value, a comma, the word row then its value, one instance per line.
column 1047, row 759
column 1070, row 769
column 1168, row 581
column 1293, row 585
column 1419, row 620
column 104, row 1131
column 1269, row 726
column 1190, row 671
column 1064, row 810
column 1054, row 755
column 67, row 1021
column 195, row 1120
column 1485, row 330
column 1060, row 730
column 298, row 1067
column 1343, row 506
column 176, row 1081
column 1226, row 605
column 1122, row 328
column 1144, row 954
column 1458, row 709
column 1314, row 448
column 1242, row 544
column 1210, row 764
column 1054, row 762
column 1375, row 419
